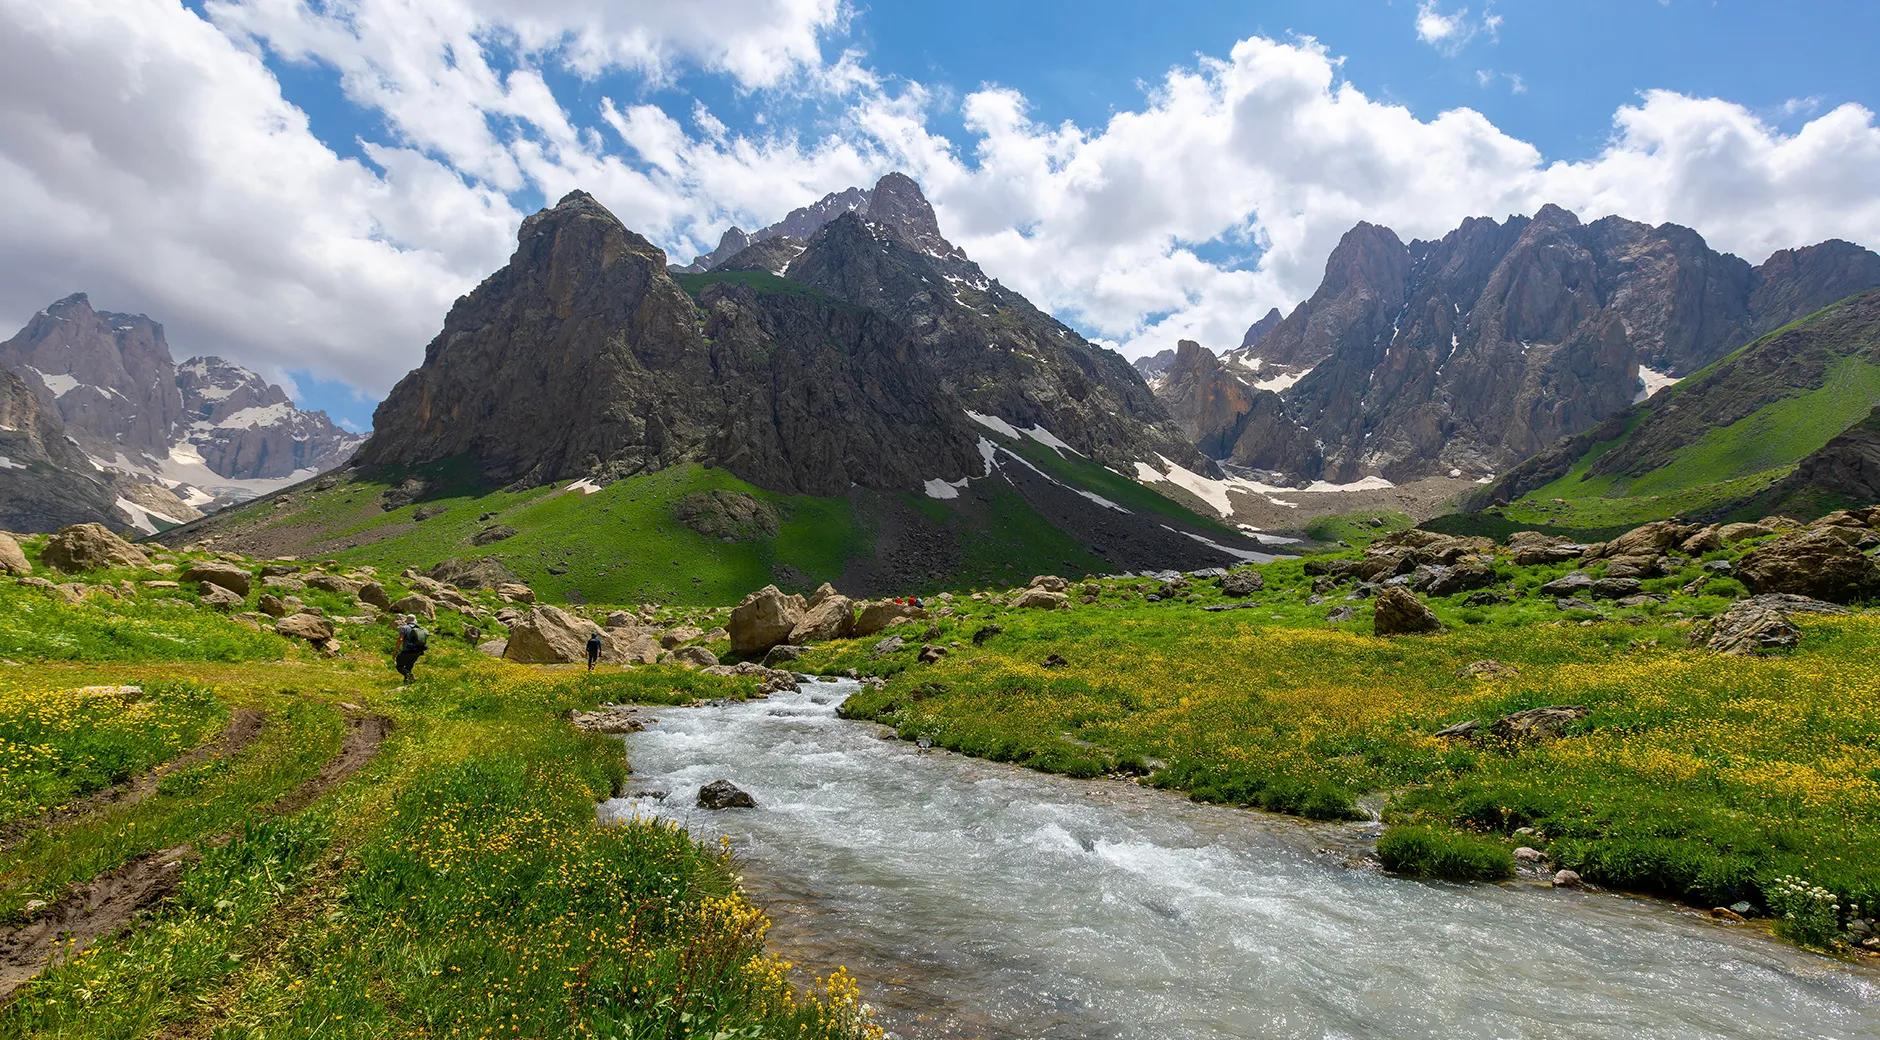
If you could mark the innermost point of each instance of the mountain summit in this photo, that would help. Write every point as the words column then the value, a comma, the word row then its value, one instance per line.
column 172, row 439
column 1464, row 355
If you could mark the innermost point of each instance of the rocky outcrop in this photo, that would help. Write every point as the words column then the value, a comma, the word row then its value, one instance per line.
column 218, row 572
column 723, row 794
column 46, row 482
column 13, row 560
column 90, row 547
column 764, row 619
column 172, row 437
column 1759, row 624
column 1206, row 400
column 1474, row 351
column 1400, row 613
column 1825, row 563
column 828, row 615
column 548, row 635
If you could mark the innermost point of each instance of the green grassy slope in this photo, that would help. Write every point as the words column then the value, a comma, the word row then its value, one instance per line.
column 1719, row 438
column 626, row 543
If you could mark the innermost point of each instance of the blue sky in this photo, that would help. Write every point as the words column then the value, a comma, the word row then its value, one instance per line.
column 305, row 187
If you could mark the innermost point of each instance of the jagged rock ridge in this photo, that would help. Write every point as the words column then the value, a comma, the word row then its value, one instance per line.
column 1470, row 353
column 175, row 438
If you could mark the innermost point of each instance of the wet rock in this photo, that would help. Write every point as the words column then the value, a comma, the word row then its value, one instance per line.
column 1399, row 612
column 770, row 680
column 764, row 619
column 1824, row 563
column 1567, row 879
column 723, row 794
column 89, row 547
column 1528, row 855
column 1727, row 915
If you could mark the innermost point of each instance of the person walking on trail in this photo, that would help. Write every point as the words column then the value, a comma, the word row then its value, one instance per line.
column 412, row 642
column 594, row 649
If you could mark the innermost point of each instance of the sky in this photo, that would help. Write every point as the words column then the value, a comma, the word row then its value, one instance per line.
column 305, row 186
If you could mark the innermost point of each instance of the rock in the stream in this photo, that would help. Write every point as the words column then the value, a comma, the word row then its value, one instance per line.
column 1567, row 879
column 723, row 794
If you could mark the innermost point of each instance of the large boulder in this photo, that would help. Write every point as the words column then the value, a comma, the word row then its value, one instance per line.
column 90, row 547
column 1758, row 624
column 12, row 557
column 1823, row 563
column 1741, row 531
column 1049, row 583
column 215, row 572
column 1242, row 583
column 1653, row 539
column 1400, row 613
column 515, row 592
column 1041, row 599
column 723, row 794
column 337, row 584
column 1447, row 580
column 311, row 627
column 220, row 598
column 828, row 617
column 883, row 614
column 694, row 657
column 548, row 635
column 1531, row 548
column 630, row 646
column 372, row 594
column 417, row 604
column 764, row 619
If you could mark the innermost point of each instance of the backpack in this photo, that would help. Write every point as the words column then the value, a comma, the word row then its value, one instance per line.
column 419, row 639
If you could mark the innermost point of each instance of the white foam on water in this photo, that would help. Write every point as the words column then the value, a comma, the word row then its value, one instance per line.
column 1037, row 906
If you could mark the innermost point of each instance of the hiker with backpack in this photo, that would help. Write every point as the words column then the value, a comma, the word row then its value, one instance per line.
column 413, row 640
column 594, row 648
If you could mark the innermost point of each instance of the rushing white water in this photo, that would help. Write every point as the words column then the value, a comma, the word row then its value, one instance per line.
column 975, row 899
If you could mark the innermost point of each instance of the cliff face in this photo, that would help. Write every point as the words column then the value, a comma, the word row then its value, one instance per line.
column 584, row 357
column 1475, row 351
column 45, row 481
column 174, row 439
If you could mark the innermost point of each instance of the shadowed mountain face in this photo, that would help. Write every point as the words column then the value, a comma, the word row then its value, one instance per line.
column 45, row 481
column 584, row 357
column 1474, row 351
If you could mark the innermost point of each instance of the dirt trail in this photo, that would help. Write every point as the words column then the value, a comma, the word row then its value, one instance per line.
column 241, row 731
column 93, row 910
column 108, row 902
column 364, row 734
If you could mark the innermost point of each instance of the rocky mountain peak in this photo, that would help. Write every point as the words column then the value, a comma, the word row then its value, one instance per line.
column 1258, row 330
column 1551, row 216
column 897, row 202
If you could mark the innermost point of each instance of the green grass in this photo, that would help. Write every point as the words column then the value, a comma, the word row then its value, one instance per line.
column 1416, row 850
column 36, row 625
column 1694, row 777
column 1357, row 529
column 458, row 885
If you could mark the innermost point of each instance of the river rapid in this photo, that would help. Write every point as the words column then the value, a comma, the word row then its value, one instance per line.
column 979, row 900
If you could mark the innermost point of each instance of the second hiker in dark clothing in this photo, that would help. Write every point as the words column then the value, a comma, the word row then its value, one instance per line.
column 412, row 642
column 594, row 649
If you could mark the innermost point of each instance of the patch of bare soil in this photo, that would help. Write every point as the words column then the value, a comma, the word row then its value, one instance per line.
column 90, row 912
column 364, row 734
column 241, row 731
